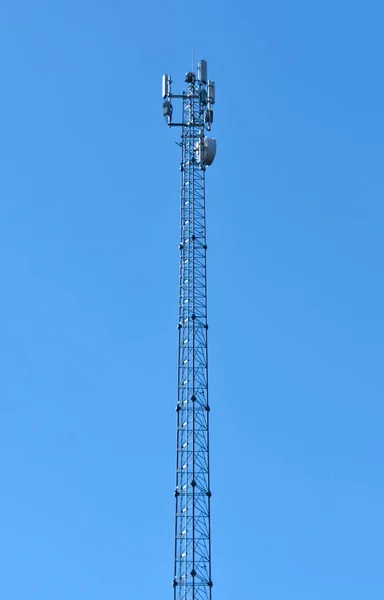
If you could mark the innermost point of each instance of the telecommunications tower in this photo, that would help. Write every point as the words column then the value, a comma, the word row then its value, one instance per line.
column 192, row 569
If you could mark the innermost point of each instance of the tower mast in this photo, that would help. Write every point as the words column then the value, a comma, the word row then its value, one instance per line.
column 192, row 563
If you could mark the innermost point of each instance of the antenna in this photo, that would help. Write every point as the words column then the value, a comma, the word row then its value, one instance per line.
column 192, row 562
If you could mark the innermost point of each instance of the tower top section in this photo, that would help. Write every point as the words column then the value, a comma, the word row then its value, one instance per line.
column 197, row 110
column 199, row 88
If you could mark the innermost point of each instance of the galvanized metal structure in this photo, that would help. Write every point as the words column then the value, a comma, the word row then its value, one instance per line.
column 192, row 569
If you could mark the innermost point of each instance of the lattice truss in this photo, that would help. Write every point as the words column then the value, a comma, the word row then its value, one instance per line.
column 192, row 576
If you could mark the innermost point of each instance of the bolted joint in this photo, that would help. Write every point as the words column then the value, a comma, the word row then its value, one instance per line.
column 193, row 483
column 193, row 573
column 174, row 582
column 209, row 494
column 176, row 493
column 210, row 584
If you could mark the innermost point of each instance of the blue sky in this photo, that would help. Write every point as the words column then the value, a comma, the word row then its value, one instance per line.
column 89, row 262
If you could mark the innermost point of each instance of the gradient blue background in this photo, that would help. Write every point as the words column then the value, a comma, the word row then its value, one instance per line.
column 89, row 194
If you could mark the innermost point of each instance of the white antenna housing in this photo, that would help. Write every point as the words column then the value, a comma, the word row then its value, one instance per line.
column 166, row 85
column 202, row 71
column 211, row 92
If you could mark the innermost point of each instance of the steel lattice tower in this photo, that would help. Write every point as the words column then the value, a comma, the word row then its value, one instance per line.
column 192, row 569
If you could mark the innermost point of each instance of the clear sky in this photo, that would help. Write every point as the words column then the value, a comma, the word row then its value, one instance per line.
column 89, row 201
